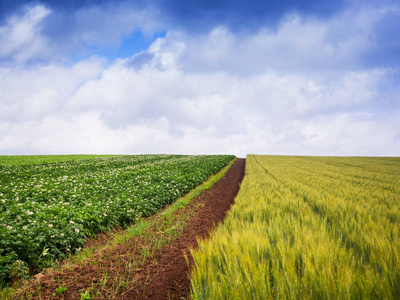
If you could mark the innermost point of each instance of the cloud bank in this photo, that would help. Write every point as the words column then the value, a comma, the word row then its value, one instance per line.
column 310, row 84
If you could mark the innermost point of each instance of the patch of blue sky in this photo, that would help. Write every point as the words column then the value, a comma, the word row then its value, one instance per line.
column 135, row 43
column 130, row 45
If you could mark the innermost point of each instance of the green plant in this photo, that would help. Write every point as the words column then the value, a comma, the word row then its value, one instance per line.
column 103, row 280
column 61, row 289
column 19, row 270
column 86, row 295
column 49, row 207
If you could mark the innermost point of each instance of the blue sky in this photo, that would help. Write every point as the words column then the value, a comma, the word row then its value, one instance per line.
column 191, row 77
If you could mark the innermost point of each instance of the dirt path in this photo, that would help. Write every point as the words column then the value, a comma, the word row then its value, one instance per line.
column 121, row 272
column 169, row 279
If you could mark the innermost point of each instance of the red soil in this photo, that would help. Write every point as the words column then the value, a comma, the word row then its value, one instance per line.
column 162, row 275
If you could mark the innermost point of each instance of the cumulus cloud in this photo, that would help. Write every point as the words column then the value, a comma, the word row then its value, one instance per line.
column 99, row 28
column 35, row 92
column 40, row 33
column 221, row 92
column 20, row 36
column 297, row 44
column 107, row 25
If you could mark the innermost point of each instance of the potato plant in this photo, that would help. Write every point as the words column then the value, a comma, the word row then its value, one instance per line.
column 48, row 210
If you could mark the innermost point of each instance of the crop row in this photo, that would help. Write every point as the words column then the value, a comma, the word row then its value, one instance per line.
column 307, row 227
column 48, row 210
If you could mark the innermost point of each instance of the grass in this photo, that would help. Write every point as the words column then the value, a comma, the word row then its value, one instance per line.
column 307, row 227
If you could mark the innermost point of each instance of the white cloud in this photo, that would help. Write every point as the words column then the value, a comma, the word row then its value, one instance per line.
column 21, row 36
column 36, row 92
column 107, row 25
column 298, row 44
column 351, row 134
column 39, row 33
column 221, row 93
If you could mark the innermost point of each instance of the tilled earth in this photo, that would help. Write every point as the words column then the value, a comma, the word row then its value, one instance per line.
column 124, row 272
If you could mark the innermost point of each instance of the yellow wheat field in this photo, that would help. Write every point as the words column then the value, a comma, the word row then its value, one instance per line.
column 307, row 228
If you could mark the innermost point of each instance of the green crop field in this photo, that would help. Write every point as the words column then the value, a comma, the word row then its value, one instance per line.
column 49, row 205
column 307, row 228
column 17, row 160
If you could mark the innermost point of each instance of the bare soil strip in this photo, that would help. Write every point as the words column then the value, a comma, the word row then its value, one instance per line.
column 135, row 270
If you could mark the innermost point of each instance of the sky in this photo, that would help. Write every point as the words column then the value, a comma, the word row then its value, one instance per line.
column 287, row 77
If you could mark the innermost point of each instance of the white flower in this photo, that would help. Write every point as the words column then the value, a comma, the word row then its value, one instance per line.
column 24, row 227
column 76, row 230
column 62, row 234
column 50, row 225
column 52, row 236
column 72, row 222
